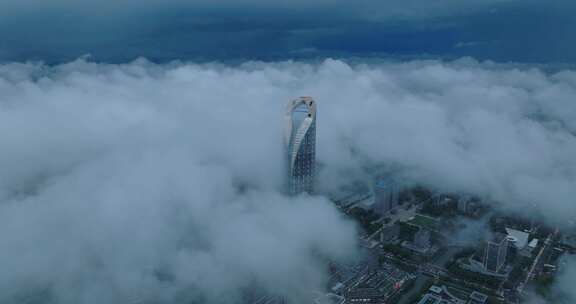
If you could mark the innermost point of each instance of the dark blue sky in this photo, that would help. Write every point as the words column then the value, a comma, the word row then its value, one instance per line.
column 117, row 31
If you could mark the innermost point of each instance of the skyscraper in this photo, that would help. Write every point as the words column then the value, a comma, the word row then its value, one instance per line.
column 300, row 141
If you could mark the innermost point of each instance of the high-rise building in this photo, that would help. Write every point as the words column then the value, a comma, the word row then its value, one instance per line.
column 464, row 203
column 496, row 253
column 493, row 257
column 300, row 141
column 385, row 196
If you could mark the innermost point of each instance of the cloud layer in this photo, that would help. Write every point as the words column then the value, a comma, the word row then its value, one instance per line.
column 163, row 181
column 119, row 31
column 152, row 182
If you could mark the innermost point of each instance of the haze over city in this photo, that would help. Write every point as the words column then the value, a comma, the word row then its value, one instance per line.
column 256, row 152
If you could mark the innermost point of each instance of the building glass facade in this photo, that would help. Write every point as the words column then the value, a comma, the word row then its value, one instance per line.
column 300, row 144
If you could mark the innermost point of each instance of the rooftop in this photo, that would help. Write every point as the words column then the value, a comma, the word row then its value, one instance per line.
column 520, row 237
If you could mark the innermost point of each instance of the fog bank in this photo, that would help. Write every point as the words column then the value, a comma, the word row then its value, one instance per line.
column 164, row 180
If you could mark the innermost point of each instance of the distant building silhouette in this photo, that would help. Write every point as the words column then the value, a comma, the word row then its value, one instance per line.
column 385, row 196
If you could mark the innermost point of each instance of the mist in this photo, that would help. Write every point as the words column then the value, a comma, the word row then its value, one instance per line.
column 164, row 181
column 564, row 288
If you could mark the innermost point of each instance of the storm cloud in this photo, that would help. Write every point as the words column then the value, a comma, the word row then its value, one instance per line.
column 163, row 181
column 120, row 31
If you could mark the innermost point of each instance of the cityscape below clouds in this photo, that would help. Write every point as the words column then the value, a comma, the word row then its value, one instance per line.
column 252, row 152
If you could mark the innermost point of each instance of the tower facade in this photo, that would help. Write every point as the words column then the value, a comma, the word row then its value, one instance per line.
column 300, row 144
column 496, row 253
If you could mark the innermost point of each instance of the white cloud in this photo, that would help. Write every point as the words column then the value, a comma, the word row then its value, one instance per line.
column 112, row 172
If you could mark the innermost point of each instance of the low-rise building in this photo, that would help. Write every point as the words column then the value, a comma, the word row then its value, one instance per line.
column 520, row 240
column 441, row 295
column 379, row 285
column 421, row 242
